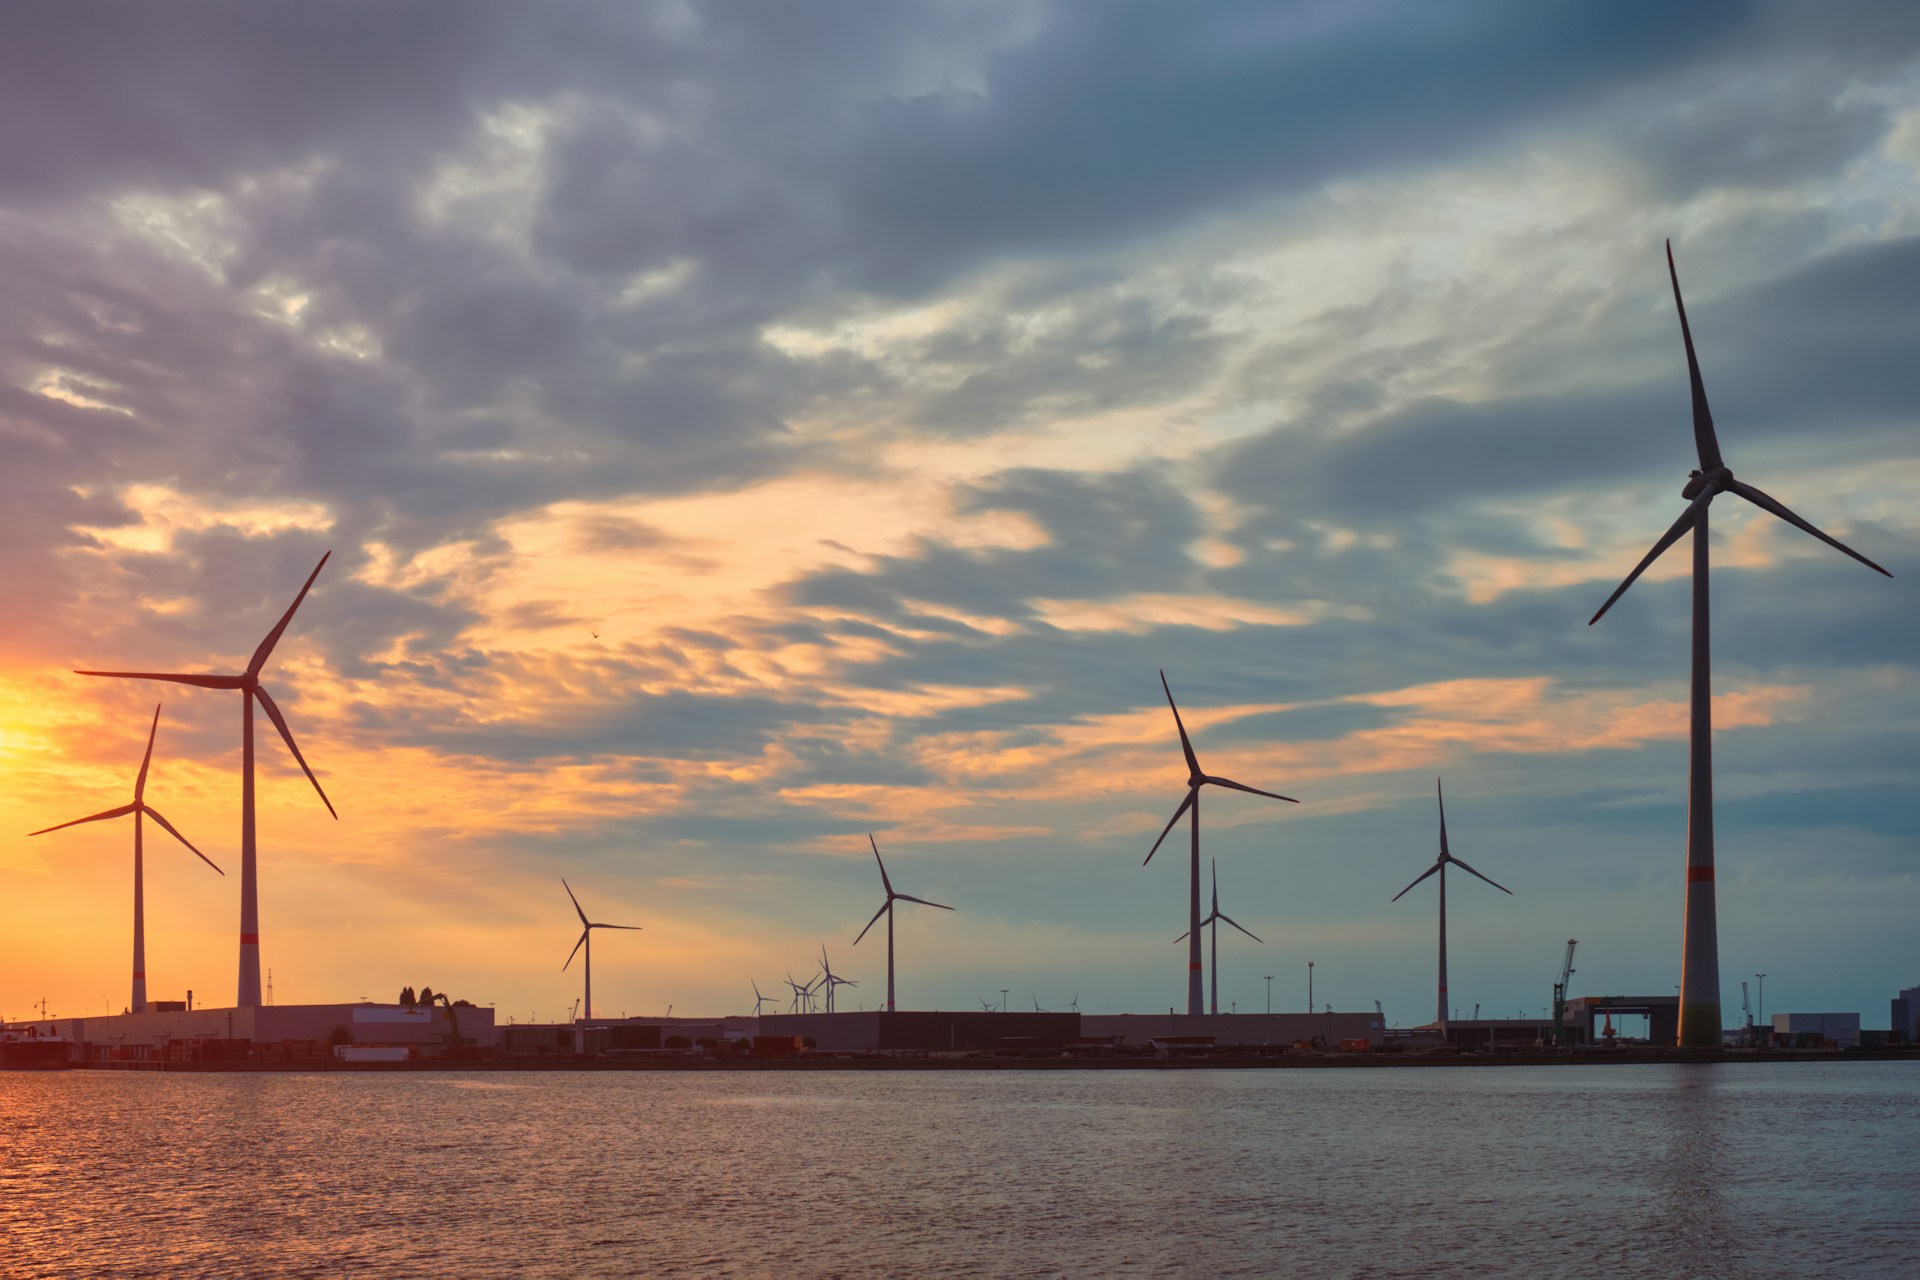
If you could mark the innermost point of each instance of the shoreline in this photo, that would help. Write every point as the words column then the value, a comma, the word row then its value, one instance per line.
column 827, row 1062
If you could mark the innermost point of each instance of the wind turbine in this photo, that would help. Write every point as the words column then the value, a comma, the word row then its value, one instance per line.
column 802, row 996
column 586, row 940
column 758, row 999
column 251, row 690
column 886, row 909
column 832, row 979
column 1212, row 925
column 1440, row 865
column 1700, row 944
column 1196, row 778
column 139, row 809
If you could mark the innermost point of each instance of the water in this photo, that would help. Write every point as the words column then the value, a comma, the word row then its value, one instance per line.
column 1734, row 1169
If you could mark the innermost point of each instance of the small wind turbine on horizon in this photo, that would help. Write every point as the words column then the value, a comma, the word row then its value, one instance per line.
column 251, row 691
column 758, row 999
column 1212, row 925
column 1196, row 778
column 831, row 978
column 586, row 940
column 802, row 996
column 1700, row 944
column 139, row 809
column 886, row 909
column 1440, row 865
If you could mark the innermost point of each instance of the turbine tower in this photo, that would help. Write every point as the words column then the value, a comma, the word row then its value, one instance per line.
column 886, row 909
column 1700, row 943
column 139, row 809
column 1440, row 865
column 1196, row 778
column 1212, row 925
column 586, row 940
column 251, row 690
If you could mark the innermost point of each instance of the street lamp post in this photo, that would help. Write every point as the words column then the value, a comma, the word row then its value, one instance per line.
column 1763, row 997
column 1269, row 995
column 1309, row 986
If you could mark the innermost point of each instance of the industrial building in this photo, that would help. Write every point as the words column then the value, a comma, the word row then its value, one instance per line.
column 1816, row 1030
column 268, row 1033
column 990, row 1030
column 1904, row 1027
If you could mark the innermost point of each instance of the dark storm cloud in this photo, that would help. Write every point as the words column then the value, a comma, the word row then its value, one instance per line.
column 1119, row 118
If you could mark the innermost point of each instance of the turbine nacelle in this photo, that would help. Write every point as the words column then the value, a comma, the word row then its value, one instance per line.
column 1718, row 480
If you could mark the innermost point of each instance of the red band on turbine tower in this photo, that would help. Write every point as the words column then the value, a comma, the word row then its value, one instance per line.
column 249, row 939
column 1193, row 966
column 140, row 974
column 1697, row 875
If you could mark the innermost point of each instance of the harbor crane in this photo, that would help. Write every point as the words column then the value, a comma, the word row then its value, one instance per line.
column 1560, row 995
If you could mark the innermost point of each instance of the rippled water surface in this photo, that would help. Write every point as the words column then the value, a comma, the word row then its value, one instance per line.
column 1736, row 1169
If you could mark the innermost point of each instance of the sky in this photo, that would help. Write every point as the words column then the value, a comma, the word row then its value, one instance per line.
column 741, row 429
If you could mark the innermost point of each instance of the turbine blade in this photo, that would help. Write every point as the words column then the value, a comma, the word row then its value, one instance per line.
column 1250, row 933
column 1442, row 795
column 121, row 812
column 140, row 783
column 885, row 907
column 1687, row 520
column 197, row 681
column 1186, row 747
column 154, row 813
column 632, row 928
column 1705, row 443
column 1767, row 502
column 1416, row 880
column 1470, row 871
column 286, row 734
column 576, row 902
column 261, row 654
column 1183, row 934
column 1185, row 805
column 907, row 897
column 1252, row 791
column 886, row 883
column 576, row 950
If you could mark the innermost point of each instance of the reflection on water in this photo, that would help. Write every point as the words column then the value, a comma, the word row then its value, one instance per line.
column 1802, row 1169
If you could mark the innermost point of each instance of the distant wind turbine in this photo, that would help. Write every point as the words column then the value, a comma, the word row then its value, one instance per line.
column 758, row 999
column 1212, row 925
column 1700, row 943
column 251, row 691
column 886, row 909
column 1440, row 865
column 586, row 940
column 802, row 996
column 832, row 979
column 139, row 809
column 1196, row 778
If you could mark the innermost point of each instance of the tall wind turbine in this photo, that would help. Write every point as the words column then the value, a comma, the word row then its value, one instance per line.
column 1440, row 865
column 1212, row 925
column 586, row 940
column 1196, row 778
column 886, row 909
column 139, row 809
column 1700, row 943
column 251, row 690
column 758, row 999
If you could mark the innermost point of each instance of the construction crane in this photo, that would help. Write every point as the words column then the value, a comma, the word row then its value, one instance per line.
column 1560, row 995
column 1381, row 1013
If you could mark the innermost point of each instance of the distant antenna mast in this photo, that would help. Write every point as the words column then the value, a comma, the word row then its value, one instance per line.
column 269, row 986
